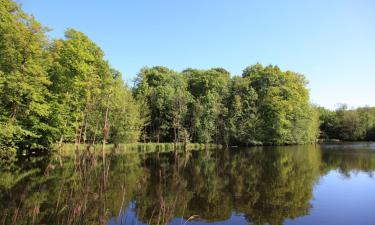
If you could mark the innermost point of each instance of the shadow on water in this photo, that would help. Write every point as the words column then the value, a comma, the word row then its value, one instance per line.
column 263, row 185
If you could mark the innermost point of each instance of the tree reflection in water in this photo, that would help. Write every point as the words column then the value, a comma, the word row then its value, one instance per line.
column 265, row 185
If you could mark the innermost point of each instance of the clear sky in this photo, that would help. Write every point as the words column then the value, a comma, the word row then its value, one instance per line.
column 332, row 42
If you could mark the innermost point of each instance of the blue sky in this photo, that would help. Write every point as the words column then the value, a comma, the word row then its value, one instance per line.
column 331, row 42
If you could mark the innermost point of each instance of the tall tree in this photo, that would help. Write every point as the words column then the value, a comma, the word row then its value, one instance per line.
column 24, row 111
column 242, row 118
column 165, row 94
column 206, row 115
column 283, row 106
column 125, row 114
column 82, row 82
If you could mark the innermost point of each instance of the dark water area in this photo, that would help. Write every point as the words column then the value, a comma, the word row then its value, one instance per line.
column 311, row 184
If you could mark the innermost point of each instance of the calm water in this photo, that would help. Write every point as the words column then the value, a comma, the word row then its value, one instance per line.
column 330, row 184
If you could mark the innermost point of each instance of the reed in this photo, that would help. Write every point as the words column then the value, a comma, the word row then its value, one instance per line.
column 70, row 149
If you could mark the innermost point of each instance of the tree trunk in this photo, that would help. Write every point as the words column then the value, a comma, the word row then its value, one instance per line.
column 76, row 135
column 81, row 128
column 96, row 128
column 60, row 148
column 84, row 132
column 175, row 134
column 105, row 130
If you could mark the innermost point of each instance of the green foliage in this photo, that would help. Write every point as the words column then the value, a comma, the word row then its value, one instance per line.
column 207, row 111
column 285, row 113
column 86, row 90
column 24, row 111
column 57, row 91
column 264, row 106
column 348, row 124
column 242, row 119
column 65, row 91
column 165, row 96
column 124, row 116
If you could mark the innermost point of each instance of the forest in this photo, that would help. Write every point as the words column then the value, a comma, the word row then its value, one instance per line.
column 348, row 124
column 56, row 91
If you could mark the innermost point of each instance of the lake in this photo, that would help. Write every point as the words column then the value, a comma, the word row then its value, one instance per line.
column 308, row 184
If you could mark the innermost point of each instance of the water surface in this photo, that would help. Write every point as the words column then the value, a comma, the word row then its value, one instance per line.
column 315, row 184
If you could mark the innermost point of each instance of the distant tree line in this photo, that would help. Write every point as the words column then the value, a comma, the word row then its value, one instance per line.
column 348, row 124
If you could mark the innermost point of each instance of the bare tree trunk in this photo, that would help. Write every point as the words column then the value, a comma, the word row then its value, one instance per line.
column 76, row 135
column 178, row 134
column 186, row 139
column 96, row 128
column 105, row 130
column 84, row 132
column 84, row 118
column 63, row 131
column 150, row 132
column 81, row 128
column 61, row 141
column 60, row 148
column 175, row 134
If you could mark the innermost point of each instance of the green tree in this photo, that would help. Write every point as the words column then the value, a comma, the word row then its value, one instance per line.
column 207, row 112
column 166, row 97
column 125, row 115
column 242, row 118
column 92, row 103
column 286, row 116
column 81, row 82
column 347, row 124
column 24, row 111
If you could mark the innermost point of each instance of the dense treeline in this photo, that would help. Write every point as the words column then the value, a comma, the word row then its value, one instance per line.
column 263, row 106
column 64, row 91
column 348, row 124
column 58, row 91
